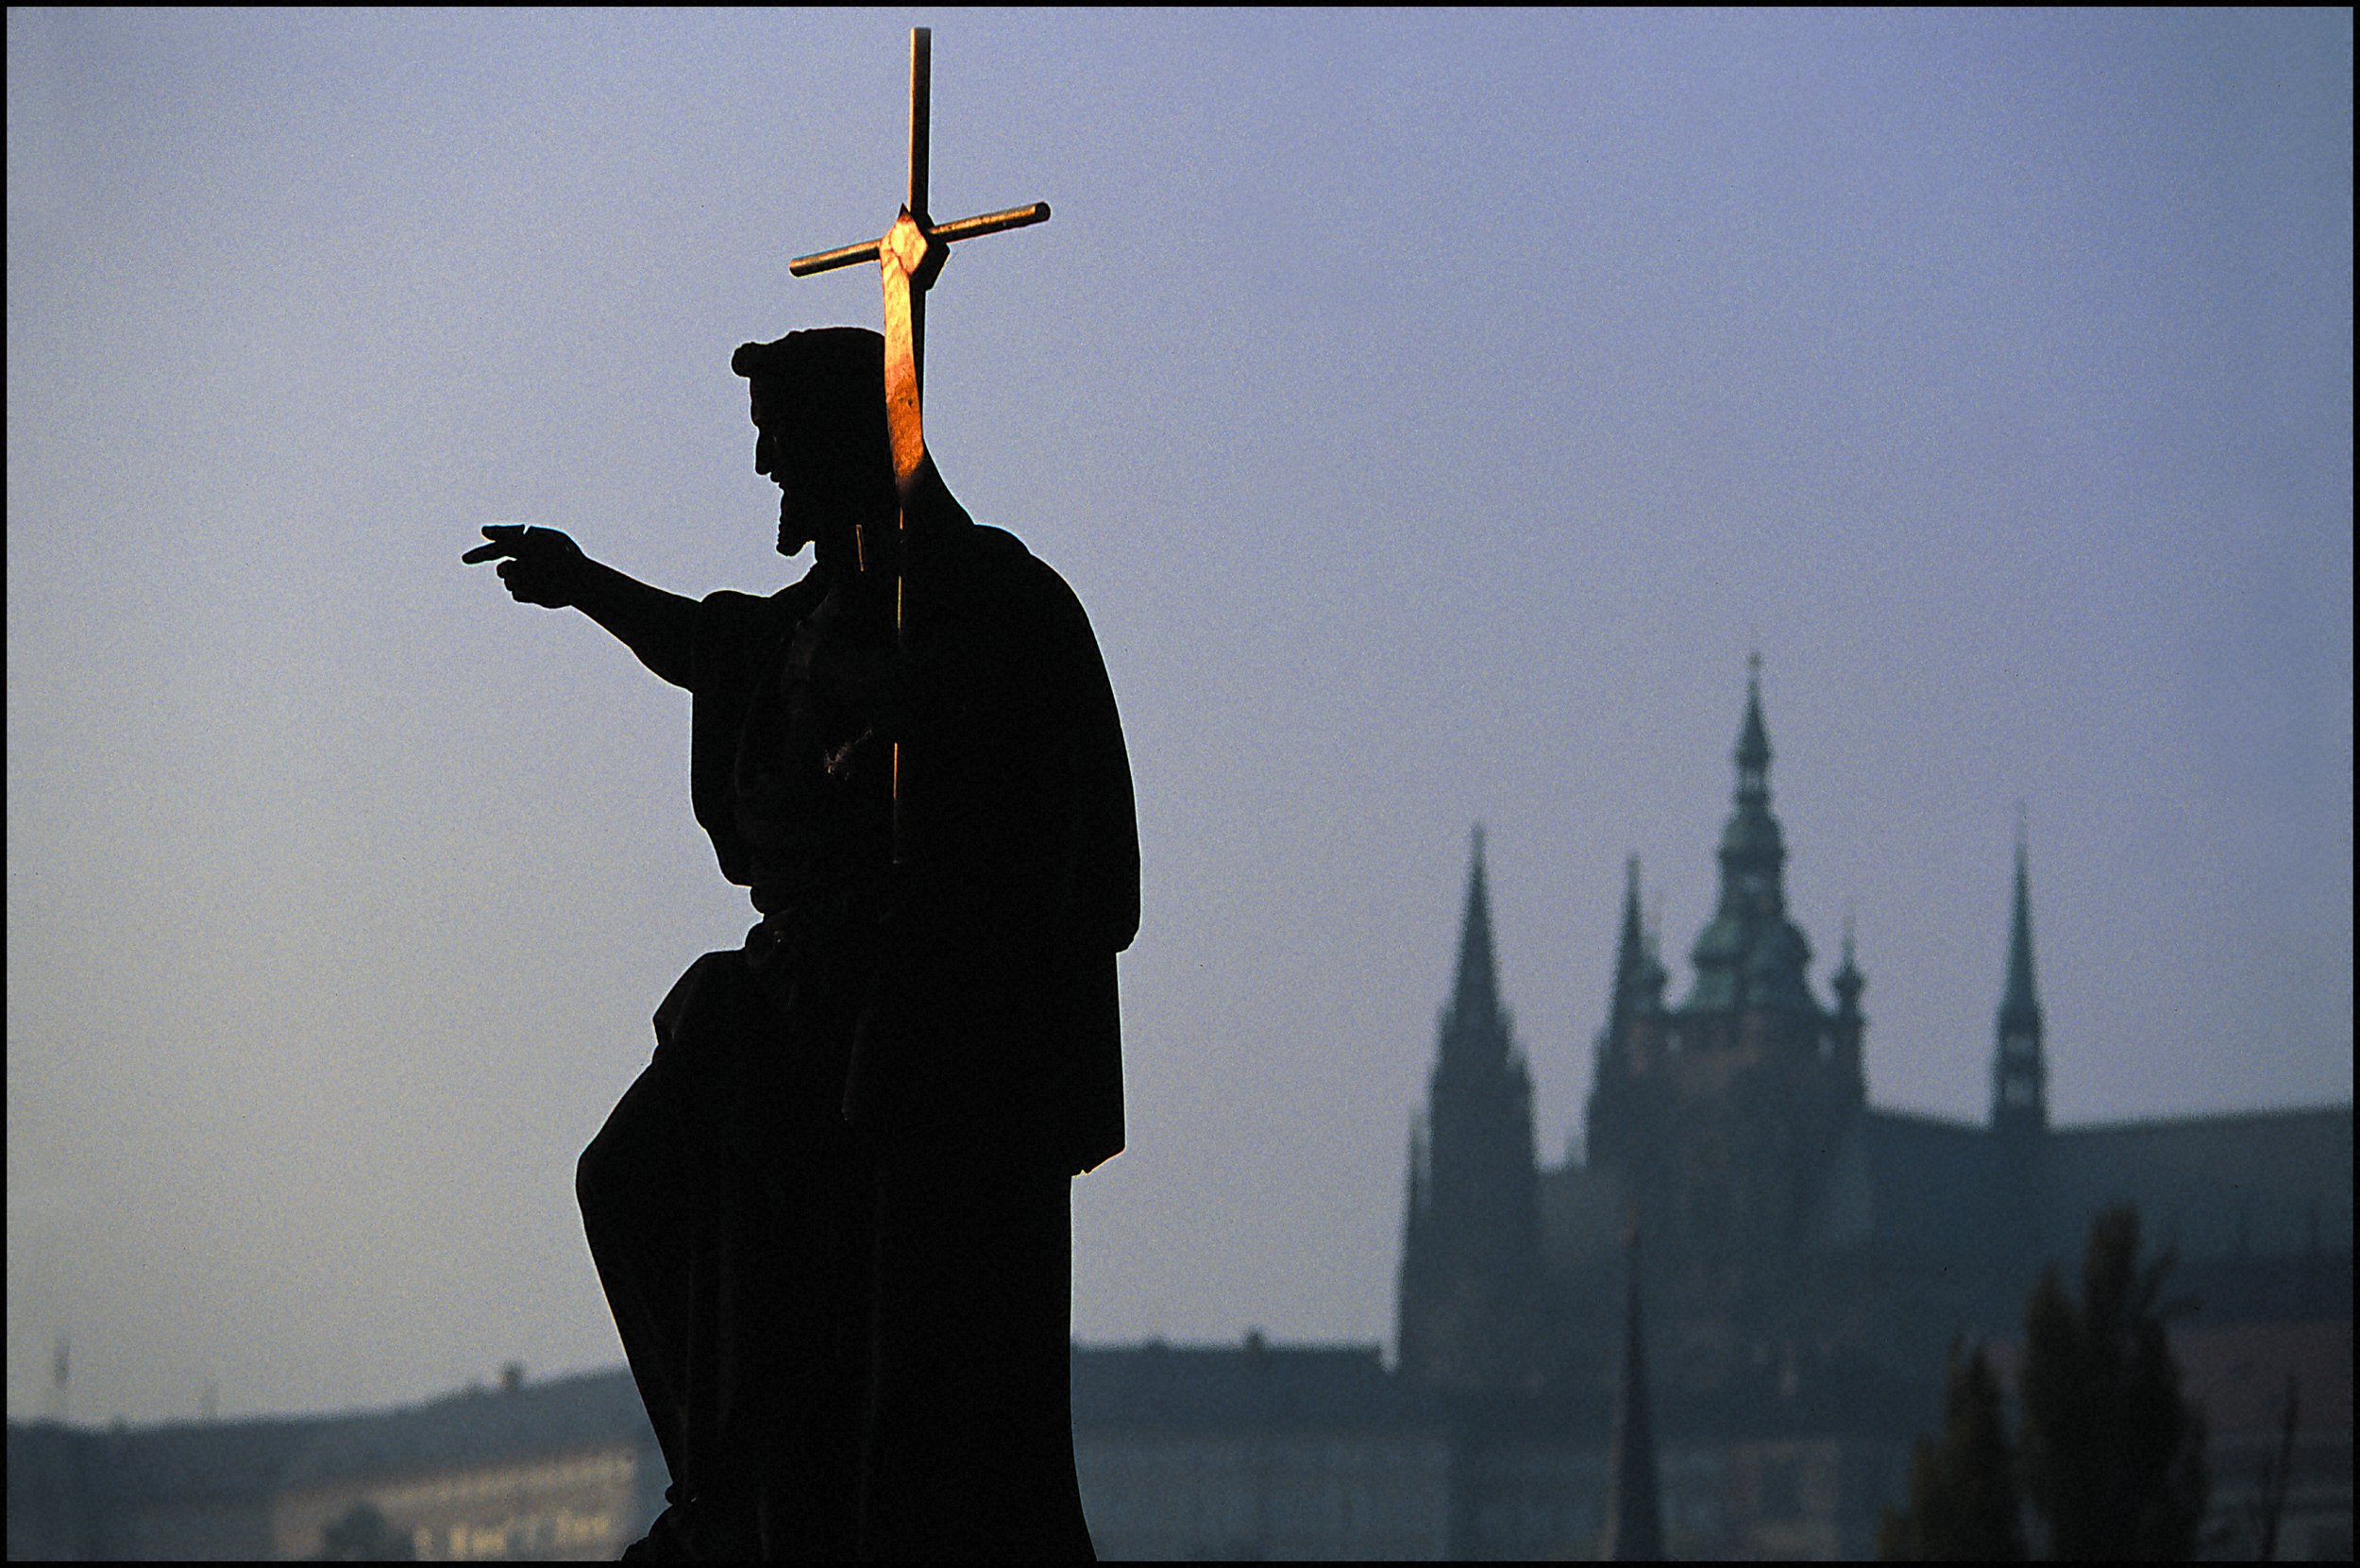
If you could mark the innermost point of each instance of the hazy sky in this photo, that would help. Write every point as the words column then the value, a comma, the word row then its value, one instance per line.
column 1432, row 409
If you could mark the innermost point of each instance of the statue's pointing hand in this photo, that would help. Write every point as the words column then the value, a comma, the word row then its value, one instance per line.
column 539, row 564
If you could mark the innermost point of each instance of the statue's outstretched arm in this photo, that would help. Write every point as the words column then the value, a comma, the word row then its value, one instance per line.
column 541, row 565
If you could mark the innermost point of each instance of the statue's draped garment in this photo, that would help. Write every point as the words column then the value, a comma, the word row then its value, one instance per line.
column 832, row 1215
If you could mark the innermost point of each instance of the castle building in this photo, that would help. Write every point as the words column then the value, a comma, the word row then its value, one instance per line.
column 1810, row 1257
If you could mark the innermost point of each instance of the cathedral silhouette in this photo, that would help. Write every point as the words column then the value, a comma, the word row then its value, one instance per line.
column 1809, row 1257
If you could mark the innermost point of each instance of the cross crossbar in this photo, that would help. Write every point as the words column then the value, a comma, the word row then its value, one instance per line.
column 951, row 233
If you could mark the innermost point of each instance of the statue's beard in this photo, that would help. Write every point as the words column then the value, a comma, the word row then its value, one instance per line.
column 793, row 535
column 818, row 518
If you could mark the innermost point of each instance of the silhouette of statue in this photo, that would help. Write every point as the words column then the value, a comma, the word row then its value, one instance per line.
column 832, row 1216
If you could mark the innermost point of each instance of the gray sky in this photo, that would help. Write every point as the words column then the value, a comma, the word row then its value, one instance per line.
column 1432, row 409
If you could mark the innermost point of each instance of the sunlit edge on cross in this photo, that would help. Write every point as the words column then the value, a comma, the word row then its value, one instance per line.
column 909, row 256
column 921, row 113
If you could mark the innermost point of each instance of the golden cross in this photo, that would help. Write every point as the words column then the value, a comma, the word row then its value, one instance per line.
column 908, row 258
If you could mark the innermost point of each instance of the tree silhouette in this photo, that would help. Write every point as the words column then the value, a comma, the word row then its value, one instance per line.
column 2114, row 1455
column 2109, row 1456
column 1962, row 1502
column 361, row 1535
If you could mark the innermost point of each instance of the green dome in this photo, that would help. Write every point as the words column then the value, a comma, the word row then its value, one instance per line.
column 1780, row 947
column 1720, row 944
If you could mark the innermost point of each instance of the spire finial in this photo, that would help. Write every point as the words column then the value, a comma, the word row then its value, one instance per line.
column 1753, row 739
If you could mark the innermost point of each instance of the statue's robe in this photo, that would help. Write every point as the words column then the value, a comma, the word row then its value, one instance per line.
column 832, row 1215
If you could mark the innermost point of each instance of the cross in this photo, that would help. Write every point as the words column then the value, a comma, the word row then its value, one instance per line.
column 909, row 256
column 908, row 259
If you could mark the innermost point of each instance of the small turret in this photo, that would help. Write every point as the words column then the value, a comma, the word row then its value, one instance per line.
column 1847, row 982
column 1846, row 1026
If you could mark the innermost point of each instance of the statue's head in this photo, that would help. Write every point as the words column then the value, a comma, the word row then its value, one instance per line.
column 819, row 423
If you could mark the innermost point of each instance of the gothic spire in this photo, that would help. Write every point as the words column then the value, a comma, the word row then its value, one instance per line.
column 1752, row 756
column 1475, row 1232
column 1630, row 964
column 1634, row 1518
column 2019, row 1004
column 2019, row 1069
column 1633, row 947
column 1753, row 740
column 1474, row 1005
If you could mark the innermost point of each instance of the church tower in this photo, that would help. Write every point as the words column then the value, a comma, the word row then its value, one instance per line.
column 2020, row 1067
column 1718, row 1120
column 1751, row 959
column 1470, row 1239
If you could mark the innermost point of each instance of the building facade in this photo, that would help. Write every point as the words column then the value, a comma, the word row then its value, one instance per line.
column 566, row 1470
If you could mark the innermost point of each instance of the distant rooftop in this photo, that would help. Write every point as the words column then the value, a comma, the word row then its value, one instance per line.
column 1198, row 1387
